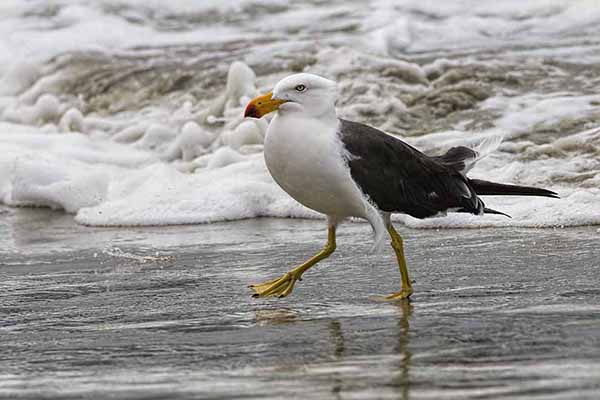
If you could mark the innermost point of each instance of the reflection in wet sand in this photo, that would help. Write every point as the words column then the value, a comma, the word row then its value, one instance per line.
column 402, row 378
column 337, row 338
column 276, row 316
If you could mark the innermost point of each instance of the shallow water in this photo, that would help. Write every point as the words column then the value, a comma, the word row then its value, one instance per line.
column 162, row 312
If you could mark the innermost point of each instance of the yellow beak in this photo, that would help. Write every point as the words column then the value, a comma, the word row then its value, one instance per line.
column 262, row 105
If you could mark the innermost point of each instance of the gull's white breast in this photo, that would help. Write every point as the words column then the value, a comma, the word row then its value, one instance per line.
column 304, row 156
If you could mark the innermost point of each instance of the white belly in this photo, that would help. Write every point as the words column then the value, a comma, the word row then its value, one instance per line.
column 305, row 159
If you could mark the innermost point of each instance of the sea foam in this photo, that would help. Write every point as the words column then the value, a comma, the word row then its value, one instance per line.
column 190, row 157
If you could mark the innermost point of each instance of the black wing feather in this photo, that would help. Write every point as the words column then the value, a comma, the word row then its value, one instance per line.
column 456, row 157
column 399, row 178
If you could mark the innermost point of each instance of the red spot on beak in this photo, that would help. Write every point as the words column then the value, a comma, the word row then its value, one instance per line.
column 251, row 111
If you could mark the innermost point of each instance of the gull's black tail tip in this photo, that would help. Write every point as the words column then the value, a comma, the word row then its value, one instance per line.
column 483, row 188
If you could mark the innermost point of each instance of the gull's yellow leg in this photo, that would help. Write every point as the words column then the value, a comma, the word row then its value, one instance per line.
column 398, row 247
column 283, row 286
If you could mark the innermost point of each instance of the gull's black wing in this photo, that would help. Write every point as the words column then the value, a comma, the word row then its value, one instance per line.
column 399, row 178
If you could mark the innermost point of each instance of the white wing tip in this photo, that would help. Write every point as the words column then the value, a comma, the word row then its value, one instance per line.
column 488, row 145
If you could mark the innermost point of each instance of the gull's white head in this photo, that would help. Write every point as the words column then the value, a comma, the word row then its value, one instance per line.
column 309, row 94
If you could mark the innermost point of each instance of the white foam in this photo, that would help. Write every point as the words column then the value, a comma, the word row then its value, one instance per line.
column 19, row 76
column 200, row 161
column 46, row 109
column 522, row 113
column 88, row 26
column 72, row 121
column 242, row 189
column 66, row 172
column 107, row 183
column 248, row 132
column 239, row 89
column 574, row 208
column 156, row 137
column 31, row 32
column 223, row 157
column 398, row 26
column 53, row 183
column 192, row 142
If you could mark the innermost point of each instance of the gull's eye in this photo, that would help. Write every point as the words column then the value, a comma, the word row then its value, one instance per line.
column 300, row 88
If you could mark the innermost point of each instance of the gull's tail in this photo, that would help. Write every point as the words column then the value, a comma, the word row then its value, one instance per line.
column 486, row 188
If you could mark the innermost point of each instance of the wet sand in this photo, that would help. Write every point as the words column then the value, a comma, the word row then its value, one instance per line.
column 164, row 312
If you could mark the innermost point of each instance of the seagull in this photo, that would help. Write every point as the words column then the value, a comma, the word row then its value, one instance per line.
column 346, row 169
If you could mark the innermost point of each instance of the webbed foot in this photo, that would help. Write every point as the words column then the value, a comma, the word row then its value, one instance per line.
column 280, row 287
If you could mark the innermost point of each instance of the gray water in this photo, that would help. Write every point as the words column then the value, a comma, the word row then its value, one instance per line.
column 165, row 312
